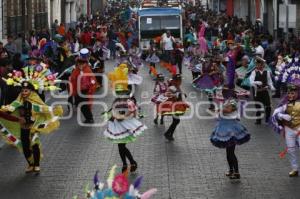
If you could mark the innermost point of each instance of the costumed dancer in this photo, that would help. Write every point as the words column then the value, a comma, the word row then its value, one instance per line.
column 280, row 73
column 152, row 58
column 174, row 106
column 287, row 120
column 228, row 133
column 37, row 118
column 135, row 58
column 159, row 91
column 209, row 81
column 87, row 86
column 123, row 127
column 278, row 69
column 261, row 81
column 117, row 187
column 193, row 61
column 178, row 56
column 202, row 40
column 100, row 54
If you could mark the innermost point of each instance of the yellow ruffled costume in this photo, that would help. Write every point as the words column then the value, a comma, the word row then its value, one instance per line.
column 119, row 78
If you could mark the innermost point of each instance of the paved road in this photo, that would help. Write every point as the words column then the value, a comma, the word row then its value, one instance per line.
column 189, row 168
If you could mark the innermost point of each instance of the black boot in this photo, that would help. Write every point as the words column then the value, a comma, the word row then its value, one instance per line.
column 155, row 120
column 133, row 166
column 162, row 120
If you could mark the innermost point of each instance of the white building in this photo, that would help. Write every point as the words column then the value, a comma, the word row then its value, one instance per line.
column 54, row 10
column 71, row 11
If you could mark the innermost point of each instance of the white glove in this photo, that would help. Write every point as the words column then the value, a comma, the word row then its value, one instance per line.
column 258, row 83
column 273, row 89
column 285, row 117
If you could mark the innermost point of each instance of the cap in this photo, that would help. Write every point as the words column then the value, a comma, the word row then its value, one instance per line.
column 259, row 59
column 292, row 87
column 84, row 53
column 27, row 85
column 177, row 77
column 245, row 57
column 160, row 77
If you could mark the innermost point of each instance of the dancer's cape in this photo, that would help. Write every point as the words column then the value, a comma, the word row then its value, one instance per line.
column 46, row 119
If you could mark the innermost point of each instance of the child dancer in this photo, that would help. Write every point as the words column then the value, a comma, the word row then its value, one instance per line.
column 228, row 133
column 152, row 58
column 123, row 127
column 160, row 89
column 174, row 105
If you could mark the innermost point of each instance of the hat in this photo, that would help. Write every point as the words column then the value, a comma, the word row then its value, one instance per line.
column 245, row 57
column 84, row 53
column 292, row 87
column 259, row 59
column 177, row 77
column 160, row 77
column 58, row 38
column 27, row 85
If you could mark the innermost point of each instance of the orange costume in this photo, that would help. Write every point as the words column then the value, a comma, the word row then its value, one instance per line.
column 87, row 81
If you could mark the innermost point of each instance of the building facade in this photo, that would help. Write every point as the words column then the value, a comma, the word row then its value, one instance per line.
column 265, row 10
column 21, row 16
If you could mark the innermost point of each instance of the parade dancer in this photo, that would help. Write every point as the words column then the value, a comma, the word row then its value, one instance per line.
column 209, row 81
column 279, row 69
column 87, row 87
column 99, row 54
column 228, row 133
column 123, row 127
column 160, row 89
column 286, row 120
column 174, row 105
column 260, row 80
column 152, row 58
column 201, row 39
column 37, row 118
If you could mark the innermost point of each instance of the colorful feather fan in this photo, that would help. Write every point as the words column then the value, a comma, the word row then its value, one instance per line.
column 39, row 76
column 118, row 187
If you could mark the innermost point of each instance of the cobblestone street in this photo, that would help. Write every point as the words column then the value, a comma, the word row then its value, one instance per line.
column 188, row 168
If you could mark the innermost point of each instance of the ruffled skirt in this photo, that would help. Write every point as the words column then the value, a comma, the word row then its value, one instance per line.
column 134, row 79
column 204, row 83
column 124, row 131
column 153, row 59
column 229, row 132
column 172, row 108
column 159, row 98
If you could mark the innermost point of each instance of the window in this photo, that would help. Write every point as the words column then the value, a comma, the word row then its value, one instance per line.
column 170, row 22
column 150, row 23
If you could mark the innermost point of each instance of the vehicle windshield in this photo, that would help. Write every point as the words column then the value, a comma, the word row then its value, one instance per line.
column 153, row 26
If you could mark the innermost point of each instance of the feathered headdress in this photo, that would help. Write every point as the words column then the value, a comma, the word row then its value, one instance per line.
column 118, row 187
column 39, row 76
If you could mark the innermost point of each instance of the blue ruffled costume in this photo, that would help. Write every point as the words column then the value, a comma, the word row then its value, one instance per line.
column 229, row 132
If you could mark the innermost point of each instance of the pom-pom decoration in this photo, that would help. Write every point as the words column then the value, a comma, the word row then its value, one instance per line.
column 118, row 187
column 120, row 184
